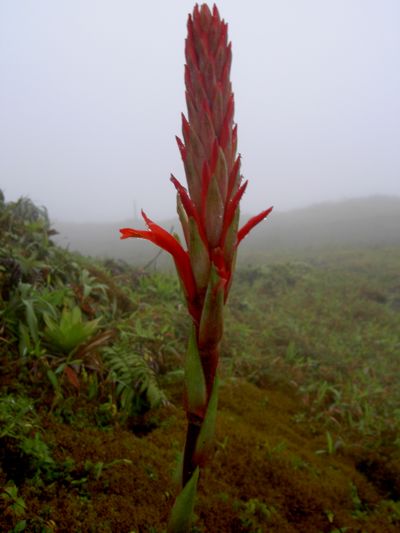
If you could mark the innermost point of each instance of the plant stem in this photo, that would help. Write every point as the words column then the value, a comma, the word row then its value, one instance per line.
column 193, row 430
column 209, row 360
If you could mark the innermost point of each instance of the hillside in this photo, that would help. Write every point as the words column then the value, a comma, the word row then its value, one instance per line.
column 359, row 222
column 91, row 386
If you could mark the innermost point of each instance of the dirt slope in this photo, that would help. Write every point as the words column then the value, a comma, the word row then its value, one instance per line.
column 271, row 472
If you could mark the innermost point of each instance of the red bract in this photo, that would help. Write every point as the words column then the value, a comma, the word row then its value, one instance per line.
column 209, row 207
column 169, row 243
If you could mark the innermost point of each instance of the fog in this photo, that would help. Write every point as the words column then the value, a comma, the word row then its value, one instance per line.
column 91, row 94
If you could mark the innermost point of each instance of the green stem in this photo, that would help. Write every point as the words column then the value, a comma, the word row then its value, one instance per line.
column 209, row 360
column 193, row 430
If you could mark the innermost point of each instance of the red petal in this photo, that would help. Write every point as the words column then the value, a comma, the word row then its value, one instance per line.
column 234, row 140
column 181, row 147
column 189, row 207
column 185, row 129
column 184, row 195
column 250, row 225
column 238, row 196
column 136, row 233
column 167, row 242
column 233, row 175
column 230, row 210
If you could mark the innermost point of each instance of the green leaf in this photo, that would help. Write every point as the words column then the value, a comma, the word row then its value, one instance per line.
column 70, row 332
column 20, row 526
column 24, row 344
column 194, row 376
column 182, row 511
column 206, row 436
column 31, row 319
column 53, row 380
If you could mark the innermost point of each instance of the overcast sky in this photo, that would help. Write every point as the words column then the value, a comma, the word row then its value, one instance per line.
column 91, row 93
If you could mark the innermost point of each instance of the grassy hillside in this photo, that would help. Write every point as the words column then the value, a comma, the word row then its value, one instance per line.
column 91, row 424
column 361, row 222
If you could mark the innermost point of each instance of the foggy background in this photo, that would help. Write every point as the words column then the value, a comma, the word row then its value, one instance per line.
column 91, row 94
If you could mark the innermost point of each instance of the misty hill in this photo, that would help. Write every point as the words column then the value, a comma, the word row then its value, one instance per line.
column 373, row 221
column 358, row 222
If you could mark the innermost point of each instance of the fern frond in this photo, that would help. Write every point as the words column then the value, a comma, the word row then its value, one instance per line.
column 136, row 385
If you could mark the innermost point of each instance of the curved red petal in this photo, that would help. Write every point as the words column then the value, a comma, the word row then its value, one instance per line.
column 182, row 148
column 184, row 195
column 170, row 244
column 231, row 208
column 135, row 233
column 189, row 206
column 233, row 176
column 251, row 223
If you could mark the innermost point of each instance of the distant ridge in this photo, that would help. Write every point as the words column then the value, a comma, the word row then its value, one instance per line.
column 369, row 221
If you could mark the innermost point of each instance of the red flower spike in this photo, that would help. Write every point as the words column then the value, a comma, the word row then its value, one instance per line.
column 209, row 213
column 250, row 225
column 208, row 151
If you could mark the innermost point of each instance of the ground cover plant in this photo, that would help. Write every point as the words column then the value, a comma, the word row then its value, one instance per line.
column 308, row 425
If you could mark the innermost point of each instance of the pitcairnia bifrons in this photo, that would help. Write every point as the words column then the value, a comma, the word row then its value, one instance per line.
column 209, row 214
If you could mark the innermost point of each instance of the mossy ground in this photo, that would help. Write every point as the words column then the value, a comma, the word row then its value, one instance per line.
column 268, row 473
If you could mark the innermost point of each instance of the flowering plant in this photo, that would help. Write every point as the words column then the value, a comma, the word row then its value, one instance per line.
column 208, row 210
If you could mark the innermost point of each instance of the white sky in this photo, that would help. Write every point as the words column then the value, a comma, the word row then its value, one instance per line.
column 91, row 93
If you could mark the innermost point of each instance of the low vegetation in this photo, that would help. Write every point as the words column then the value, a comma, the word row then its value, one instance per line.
column 91, row 391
